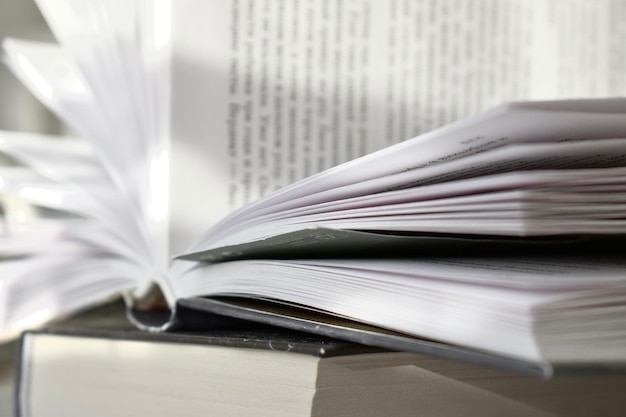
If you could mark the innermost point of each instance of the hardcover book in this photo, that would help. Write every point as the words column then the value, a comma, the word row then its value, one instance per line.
column 76, row 372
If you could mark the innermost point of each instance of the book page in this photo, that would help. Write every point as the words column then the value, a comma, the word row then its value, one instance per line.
column 536, row 308
column 268, row 92
column 533, row 193
column 108, row 80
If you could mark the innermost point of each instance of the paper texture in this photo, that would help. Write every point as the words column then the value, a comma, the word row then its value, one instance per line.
column 268, row 92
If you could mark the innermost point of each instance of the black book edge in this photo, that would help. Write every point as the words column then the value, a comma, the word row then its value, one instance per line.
column 308, row 321
column 252, row 337
column 336, row 243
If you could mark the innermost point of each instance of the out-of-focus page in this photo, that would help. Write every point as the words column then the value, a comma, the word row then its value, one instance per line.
column 266, row 92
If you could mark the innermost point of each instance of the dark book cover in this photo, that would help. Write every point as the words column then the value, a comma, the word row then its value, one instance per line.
column 306, row 320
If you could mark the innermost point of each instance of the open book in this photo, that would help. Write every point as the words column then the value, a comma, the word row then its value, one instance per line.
column 519, row 209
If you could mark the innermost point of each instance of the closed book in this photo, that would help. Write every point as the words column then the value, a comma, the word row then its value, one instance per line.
column 78, row 372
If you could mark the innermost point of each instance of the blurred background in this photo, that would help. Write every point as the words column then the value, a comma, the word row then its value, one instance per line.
column 19, row 110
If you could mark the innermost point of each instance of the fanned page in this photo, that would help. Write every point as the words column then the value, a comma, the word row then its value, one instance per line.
column 515, row 170
column 86, row 220
column 267, row 93
column 69, row 239
column 187, row 111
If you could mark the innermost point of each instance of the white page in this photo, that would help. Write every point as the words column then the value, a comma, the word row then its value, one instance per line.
column 35, row 189
column 31, row 298
column 266, row 93
column 525, row 273
column 121, row 49
column 500, row 126
column 575, row 154
column 71, row 164
column 554, row 180
column 66, row 178
column 70, row 161
column 101, row 38
column 51, row 75
column 462, row 301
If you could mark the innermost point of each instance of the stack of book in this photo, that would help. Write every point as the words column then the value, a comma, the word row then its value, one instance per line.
column 265, row 274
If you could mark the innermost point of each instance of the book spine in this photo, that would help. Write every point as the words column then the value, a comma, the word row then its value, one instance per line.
column 151, row 311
